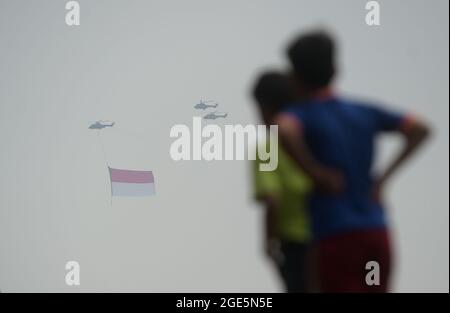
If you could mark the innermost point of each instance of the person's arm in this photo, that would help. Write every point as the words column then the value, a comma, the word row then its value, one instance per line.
column 271, row 237
column 414, row 133
column 326, row 179
column 267, row 190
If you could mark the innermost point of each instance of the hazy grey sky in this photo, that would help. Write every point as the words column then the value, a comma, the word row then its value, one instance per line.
column 144, row 64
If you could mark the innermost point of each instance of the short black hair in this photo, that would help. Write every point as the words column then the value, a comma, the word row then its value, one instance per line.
column 273, row 90
column 312, row 56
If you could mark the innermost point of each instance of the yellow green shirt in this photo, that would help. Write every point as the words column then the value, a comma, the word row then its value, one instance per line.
column 289, row 186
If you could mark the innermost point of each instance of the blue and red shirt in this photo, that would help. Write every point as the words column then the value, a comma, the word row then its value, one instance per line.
column 340, row 135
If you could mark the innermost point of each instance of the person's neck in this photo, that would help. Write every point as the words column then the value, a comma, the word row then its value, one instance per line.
column 321, row 94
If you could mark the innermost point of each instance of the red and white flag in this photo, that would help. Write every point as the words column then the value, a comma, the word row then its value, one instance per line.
column 131, row 183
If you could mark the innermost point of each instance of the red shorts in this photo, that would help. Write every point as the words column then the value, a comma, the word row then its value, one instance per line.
column 342, row 261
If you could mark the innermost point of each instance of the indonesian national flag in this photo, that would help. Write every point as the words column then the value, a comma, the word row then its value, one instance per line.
column 131, row 183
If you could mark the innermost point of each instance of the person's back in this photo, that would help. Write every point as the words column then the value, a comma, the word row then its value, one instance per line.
column 340, row 134
column 290, row 188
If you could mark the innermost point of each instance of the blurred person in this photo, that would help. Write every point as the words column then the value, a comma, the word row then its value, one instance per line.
column 332, row 140
column 283, row 192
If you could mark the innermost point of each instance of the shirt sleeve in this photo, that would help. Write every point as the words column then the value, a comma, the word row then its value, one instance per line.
column 386, row 121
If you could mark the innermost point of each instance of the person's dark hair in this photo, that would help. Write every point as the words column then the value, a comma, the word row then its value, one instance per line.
column 312, row 56
column 273, row 90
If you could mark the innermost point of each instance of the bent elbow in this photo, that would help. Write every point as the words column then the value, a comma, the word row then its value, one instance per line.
column 424, row 131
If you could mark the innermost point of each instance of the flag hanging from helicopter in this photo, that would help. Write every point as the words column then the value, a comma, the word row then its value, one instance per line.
column 126, row 183
column 131, row 183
